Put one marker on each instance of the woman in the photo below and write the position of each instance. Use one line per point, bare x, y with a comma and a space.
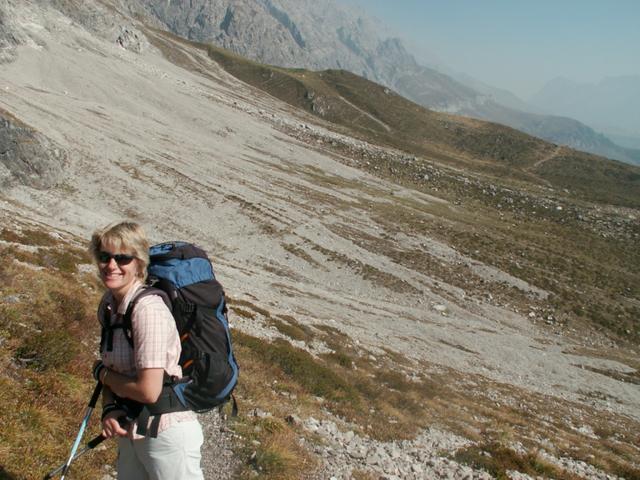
121, 253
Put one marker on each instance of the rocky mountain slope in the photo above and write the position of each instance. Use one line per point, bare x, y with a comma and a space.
328, 35
454, 291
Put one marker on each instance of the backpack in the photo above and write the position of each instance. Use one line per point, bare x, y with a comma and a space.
181, 273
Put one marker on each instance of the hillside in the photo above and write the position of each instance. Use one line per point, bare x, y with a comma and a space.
381, 116
412, 294
325, 34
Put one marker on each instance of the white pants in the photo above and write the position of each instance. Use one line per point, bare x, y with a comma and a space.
173, 455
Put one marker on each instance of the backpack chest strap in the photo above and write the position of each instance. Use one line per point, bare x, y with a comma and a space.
106, 340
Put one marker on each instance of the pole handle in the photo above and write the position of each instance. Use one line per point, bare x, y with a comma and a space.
96, 441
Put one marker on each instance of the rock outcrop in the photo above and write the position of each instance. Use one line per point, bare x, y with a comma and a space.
27, 157
10, 36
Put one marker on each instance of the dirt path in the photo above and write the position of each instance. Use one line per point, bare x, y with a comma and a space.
551, 156
366, 114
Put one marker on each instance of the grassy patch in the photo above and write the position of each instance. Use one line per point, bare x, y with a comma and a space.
369, 395
373, 392
288, 326
28, 236
47, 350
300, 253
272, 450
385, 403
398, 406
235, 303
498, 460
380, 116
316, 378
369, 272
64, 259
539, 212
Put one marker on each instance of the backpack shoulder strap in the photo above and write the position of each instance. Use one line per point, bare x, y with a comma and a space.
144, 292
104, 318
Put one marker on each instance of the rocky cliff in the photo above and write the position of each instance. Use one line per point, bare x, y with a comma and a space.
27, 157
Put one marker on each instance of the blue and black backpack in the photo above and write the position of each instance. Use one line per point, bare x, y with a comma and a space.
181, 273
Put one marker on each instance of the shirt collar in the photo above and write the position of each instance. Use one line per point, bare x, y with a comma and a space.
137, 285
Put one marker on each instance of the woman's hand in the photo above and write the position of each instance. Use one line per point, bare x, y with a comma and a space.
111, 427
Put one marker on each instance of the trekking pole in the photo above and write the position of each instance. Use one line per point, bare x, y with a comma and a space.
83, 426
91, 445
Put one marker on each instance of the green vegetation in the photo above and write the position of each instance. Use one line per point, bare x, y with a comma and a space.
590, 269
271, 449
288, 326
28, 236
311, 375
597, 180
383, 402
502, 211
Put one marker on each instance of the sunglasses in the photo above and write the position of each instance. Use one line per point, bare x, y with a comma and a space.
120, 258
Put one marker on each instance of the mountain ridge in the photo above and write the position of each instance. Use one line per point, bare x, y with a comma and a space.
314, 35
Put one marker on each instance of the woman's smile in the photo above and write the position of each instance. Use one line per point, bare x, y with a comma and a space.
118, 277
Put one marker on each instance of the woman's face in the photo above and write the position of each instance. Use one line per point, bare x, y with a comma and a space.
118, 270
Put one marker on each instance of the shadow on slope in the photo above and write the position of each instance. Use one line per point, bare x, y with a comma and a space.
27, 157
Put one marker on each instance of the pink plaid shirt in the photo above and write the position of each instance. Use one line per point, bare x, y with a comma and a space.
155, 344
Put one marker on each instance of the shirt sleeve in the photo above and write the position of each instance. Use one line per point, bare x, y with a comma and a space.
154, 333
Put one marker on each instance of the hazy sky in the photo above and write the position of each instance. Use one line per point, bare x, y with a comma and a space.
520, 44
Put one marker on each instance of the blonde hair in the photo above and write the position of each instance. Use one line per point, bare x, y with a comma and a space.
128, 237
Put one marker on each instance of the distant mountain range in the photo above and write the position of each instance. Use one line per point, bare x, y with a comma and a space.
322, 34
612, 105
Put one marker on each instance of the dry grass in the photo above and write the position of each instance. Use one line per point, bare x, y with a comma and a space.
48, 333
287, 325
500, 215
272, 450
480, 147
